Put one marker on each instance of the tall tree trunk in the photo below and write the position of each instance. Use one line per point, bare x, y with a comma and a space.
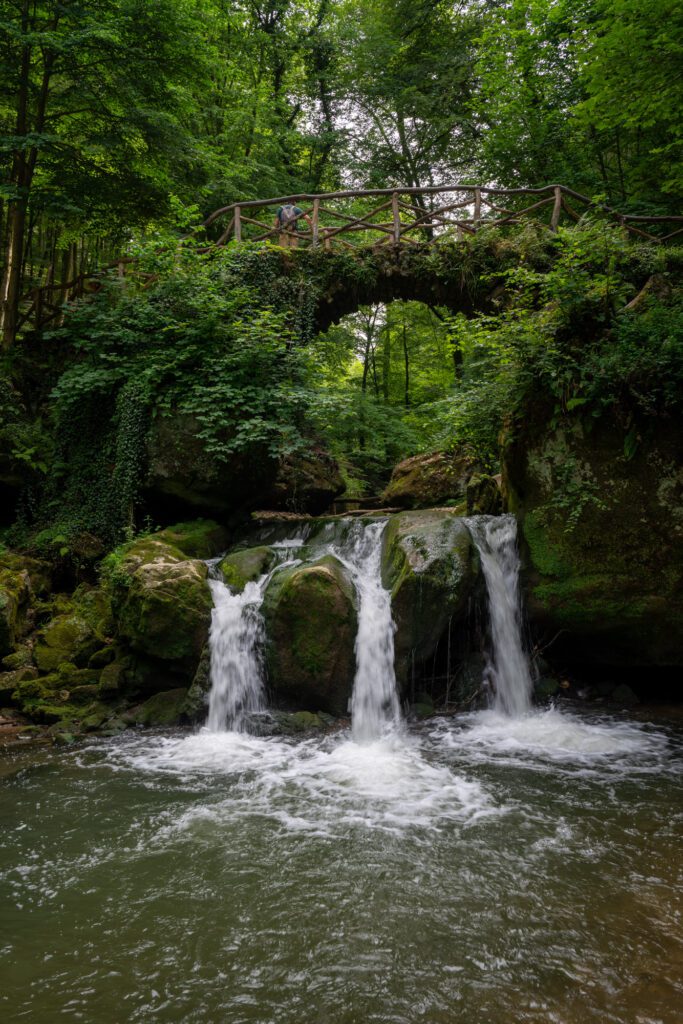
406, 396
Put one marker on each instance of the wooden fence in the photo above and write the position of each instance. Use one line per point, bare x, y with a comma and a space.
361, 218
374, 217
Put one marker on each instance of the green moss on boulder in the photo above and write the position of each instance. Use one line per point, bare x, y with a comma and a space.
601, 531
241, 567
161, 601
431, 567
198, 538
311, 621
163, 709
425, 481
15, 593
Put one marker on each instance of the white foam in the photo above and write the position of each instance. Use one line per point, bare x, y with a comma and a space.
314, 786
553, 735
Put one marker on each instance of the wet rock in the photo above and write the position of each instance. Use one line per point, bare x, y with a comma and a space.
431, 567
310, 615
424, 481
623, 694
196, 705
545, 688
241, 567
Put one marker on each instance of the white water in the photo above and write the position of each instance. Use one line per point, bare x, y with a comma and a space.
510, 675
237, 636
374, 707
235, 642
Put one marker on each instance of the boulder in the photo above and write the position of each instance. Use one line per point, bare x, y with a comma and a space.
241, 567
425, 481
15, 593
161, 601
185, 477
484, 497
163, 709
310, 615
307, 483
199, 538
431, 567
601, 532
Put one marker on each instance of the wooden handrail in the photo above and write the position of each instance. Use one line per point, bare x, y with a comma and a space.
402, 217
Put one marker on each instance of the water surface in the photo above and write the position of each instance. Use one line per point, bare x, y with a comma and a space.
478, 870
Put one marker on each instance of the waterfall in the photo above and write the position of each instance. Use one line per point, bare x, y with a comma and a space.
235, 642
237, 636
375, 708
496, 541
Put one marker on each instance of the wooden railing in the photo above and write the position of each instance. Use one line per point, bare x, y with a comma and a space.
361, 218
372, 217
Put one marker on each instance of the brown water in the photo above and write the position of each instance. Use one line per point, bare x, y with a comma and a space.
479, 871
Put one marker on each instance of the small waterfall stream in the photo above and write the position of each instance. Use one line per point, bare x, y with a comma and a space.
375, 708
496, 541
237, 636
235, 642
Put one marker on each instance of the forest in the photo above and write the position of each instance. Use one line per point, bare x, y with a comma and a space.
341, 510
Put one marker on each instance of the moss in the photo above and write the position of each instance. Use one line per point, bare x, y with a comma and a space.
161, 601
311, 626
199, 538
14, 599
163, 709
241, 567
430, 565
424, 481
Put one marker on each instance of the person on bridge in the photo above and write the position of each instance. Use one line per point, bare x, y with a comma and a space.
287, 221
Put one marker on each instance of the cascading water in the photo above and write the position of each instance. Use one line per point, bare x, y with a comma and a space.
235, 643
237, 636
374, 705
496, 541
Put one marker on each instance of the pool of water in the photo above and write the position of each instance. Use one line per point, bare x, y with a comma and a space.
476, 870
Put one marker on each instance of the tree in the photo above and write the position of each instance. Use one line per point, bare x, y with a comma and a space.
91, 102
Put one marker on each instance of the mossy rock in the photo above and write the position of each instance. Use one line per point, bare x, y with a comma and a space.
293, 723
66, 639
163, 709
10, 682
601, 534
196, 704
161, 602
198, 538
113, 677
425, 481
311, 621
484, 496
246, 565
431, 567
15, 592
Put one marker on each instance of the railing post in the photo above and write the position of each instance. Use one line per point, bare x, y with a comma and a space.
238, 225
396, 217
557, 208
316, 209
477, 208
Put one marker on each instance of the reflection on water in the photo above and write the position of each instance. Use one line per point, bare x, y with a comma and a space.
479, 869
